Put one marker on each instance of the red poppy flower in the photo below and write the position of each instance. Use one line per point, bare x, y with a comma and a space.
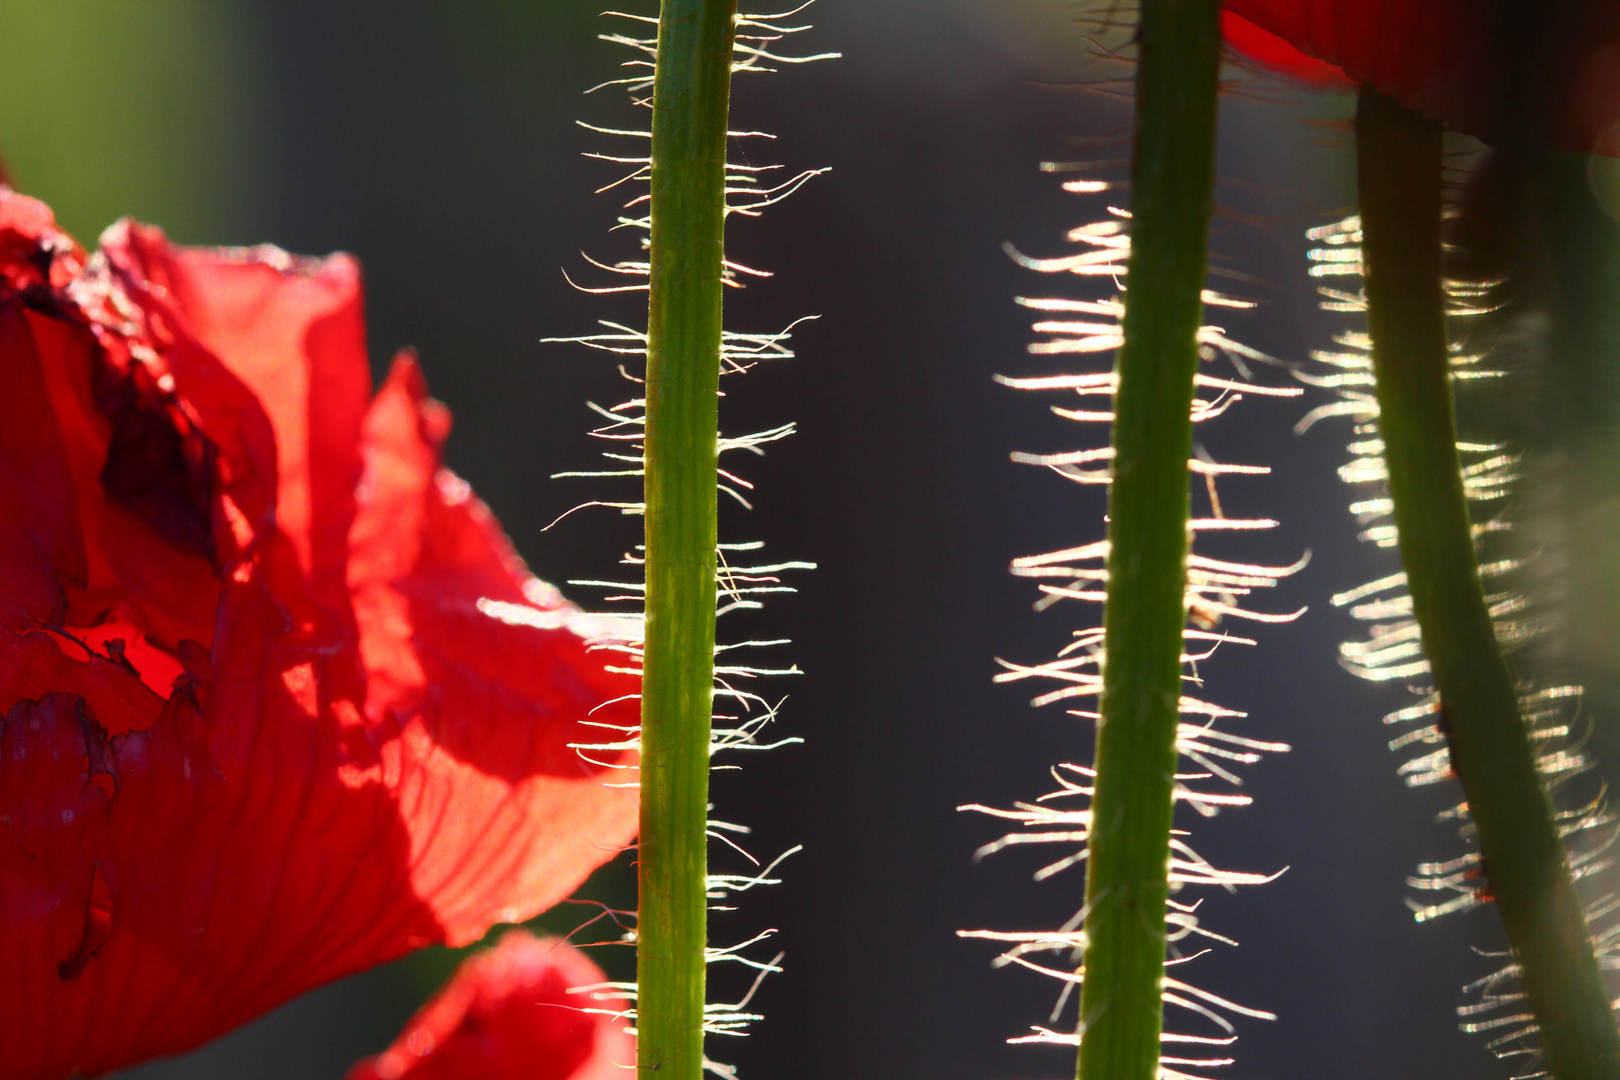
279, 700
1549, 69
529, 1008
1267, 50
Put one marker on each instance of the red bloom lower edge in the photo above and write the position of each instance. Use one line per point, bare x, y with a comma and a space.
280, 702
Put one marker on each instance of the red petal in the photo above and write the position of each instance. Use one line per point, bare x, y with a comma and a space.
34, 254
41, 546
305, 710
1471, 65
292, 331
514, 1011
452, 627
1273, 53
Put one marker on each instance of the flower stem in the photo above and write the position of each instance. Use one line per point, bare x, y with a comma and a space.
691, 95
1582, 246
1127, 877
1399, 157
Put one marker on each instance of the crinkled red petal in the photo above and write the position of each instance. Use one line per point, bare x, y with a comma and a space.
528, 1009
280, 701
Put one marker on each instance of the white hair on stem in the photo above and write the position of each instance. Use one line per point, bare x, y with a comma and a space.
1391, 651
741, 580
1086, 330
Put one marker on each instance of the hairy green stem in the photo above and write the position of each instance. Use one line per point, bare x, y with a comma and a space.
691, 95
1582, 250
1398, 172
1127, 876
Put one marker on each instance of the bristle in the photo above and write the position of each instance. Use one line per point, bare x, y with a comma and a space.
1089, 329
743, 715
1493, 470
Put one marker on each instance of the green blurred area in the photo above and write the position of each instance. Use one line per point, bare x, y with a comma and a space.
162, 109
146, 108
1606, 182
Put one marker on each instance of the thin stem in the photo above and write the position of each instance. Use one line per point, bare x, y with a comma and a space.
1127, 880
691, 94
1398, 154
1582, 249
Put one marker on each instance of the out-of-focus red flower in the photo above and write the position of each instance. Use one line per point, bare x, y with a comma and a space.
1271, 52
1504, 70
528, 1009
279, 700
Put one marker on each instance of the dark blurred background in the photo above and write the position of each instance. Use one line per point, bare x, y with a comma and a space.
438, 143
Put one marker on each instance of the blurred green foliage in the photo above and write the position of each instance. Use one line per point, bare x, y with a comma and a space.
1606, 182
115, 108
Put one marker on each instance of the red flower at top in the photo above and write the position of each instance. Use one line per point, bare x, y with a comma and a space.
1271, 52
1542, 69
528, 1009
279, 700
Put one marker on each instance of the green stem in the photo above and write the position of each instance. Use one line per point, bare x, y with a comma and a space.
691, 94
1398, 171
1127, 877
1582, 246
